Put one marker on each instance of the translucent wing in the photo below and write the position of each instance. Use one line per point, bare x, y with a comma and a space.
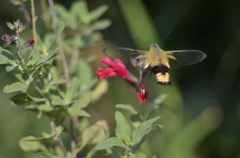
185, 57
125, 54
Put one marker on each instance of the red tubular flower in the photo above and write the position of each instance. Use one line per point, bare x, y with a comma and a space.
142, 95
6, 38
29, 43
116, 68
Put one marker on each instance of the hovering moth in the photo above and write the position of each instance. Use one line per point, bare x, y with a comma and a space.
156, 59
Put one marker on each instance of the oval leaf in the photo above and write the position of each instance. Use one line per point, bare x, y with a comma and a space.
74, 111
114, 141
5, 55
17, 86
123, 130
142, 128
83, 101
28, 144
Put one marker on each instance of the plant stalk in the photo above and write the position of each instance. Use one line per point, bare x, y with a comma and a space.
34, 23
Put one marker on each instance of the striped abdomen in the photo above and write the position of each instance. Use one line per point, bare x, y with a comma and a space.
162, 74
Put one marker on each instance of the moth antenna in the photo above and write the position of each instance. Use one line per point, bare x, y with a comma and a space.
140, 39
166, 35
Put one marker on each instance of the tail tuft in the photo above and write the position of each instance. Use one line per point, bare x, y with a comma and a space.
165, 83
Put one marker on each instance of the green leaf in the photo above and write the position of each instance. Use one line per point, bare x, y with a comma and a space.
32, 59
57, 33
123, 130
45, 59
101, 24
114, 141
72, 90
142, 129
99, 90
138, 155
93, 135
96, 13
74, 111
57, 100
17, 86
127, 107
62, 12
10, 68
156, 102
80, 9
28, 144
83, 101
45, 108
24, 98
12, 62
23, 77
5, 55
84, 72
55, 83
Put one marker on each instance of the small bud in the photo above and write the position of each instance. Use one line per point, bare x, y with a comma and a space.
17, 23
6, 37
14, 38
10, 25
28, 43
21, 27
9, 39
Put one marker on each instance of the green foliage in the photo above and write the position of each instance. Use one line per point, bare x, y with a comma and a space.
127, 138
60, 97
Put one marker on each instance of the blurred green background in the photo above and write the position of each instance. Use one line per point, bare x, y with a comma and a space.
201, 113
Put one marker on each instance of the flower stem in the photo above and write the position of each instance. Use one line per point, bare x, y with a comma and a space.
54, 129
59, 140
74, 119
62, 54
25, 12
19, 47
34, 23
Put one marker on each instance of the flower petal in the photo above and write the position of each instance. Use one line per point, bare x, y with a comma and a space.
142, 95
105, 73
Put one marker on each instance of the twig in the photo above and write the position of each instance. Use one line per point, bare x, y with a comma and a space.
62, 54
19, 47
25, 12
34, 23
74, 119
59, 140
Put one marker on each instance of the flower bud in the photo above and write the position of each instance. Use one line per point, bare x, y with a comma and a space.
28, 43
10, 25
6, 38
9, 39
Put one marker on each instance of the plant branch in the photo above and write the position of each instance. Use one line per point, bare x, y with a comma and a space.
62, 54
74, 119
34, 23
54, 129
59, 140
25, 12
19, 47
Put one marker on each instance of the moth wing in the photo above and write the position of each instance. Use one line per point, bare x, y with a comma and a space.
124, 54
179, 58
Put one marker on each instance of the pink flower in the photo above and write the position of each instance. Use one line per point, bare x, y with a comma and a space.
9, 39
142, 95
29, 43
116, 68
5, 37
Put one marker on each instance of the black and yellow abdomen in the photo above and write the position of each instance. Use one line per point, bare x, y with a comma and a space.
162, 74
